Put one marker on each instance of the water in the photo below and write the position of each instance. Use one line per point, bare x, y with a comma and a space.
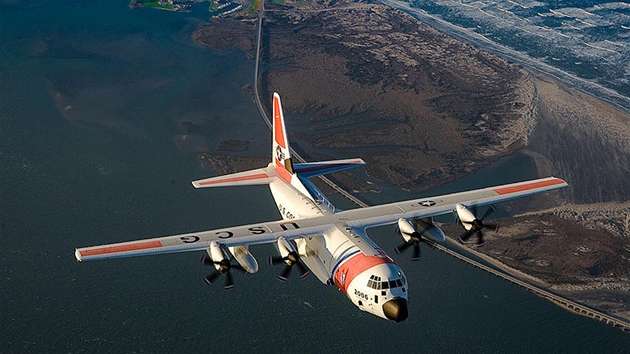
109, 169
585, 44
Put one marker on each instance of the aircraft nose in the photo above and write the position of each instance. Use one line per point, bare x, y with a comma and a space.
396, 309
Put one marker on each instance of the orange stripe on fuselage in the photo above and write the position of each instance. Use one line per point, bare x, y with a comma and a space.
529, 186
356, 265
235, 179
277, 123
121, 248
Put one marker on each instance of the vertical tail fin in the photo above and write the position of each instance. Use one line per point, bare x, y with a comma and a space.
281, 152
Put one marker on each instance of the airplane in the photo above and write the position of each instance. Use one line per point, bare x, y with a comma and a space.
316, 237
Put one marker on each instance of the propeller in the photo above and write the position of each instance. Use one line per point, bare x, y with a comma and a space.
292, 259
414, 241
224, 267
477, 225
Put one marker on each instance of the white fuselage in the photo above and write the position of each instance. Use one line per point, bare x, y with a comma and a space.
375, 284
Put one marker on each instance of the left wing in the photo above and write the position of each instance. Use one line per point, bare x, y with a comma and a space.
235, 236
440, 205
290, 229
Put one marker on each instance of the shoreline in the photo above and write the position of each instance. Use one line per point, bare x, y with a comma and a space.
538, 67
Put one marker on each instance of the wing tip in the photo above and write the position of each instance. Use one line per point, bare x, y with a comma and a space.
77, 254
543, 184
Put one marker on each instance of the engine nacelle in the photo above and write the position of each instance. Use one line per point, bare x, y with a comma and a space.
285, 247
244, 258
420, 227
218, 257
465, 216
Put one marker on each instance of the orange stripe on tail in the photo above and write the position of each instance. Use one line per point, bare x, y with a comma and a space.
278, 123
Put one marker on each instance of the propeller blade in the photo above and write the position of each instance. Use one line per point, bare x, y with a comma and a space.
205, 260
488, 212
275, 260
229, 281
494, 227
402, 247
285, 273
303, 271
480, 240
466, 235
416, 252
208, 279
474, 209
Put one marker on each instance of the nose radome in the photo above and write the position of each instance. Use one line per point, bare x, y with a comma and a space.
396, 309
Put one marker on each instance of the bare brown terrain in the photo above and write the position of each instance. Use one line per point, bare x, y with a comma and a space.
365, 77
361, 79
576, 251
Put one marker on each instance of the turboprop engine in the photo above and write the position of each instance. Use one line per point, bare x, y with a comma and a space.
219, 257
290, 257
472, 224
416, 231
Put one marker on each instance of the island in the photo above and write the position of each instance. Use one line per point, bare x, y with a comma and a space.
359, 78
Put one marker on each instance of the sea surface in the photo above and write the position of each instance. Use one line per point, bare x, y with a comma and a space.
96, 105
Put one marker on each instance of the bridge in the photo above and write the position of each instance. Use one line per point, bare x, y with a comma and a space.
555, 298
294, 154
572, 306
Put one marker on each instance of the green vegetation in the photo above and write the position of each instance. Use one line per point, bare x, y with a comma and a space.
214, 6
253, 9
157, 4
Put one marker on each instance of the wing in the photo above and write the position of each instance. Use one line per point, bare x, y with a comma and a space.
433, 206
236, 236
290, 229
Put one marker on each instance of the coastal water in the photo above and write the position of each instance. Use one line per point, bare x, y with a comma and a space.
584, 44
94, 148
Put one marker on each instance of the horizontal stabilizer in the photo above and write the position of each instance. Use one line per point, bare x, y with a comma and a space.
311, 169
247, 178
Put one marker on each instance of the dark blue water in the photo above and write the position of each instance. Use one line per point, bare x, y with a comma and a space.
92, 96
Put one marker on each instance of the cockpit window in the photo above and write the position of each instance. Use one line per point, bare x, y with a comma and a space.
376, 283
